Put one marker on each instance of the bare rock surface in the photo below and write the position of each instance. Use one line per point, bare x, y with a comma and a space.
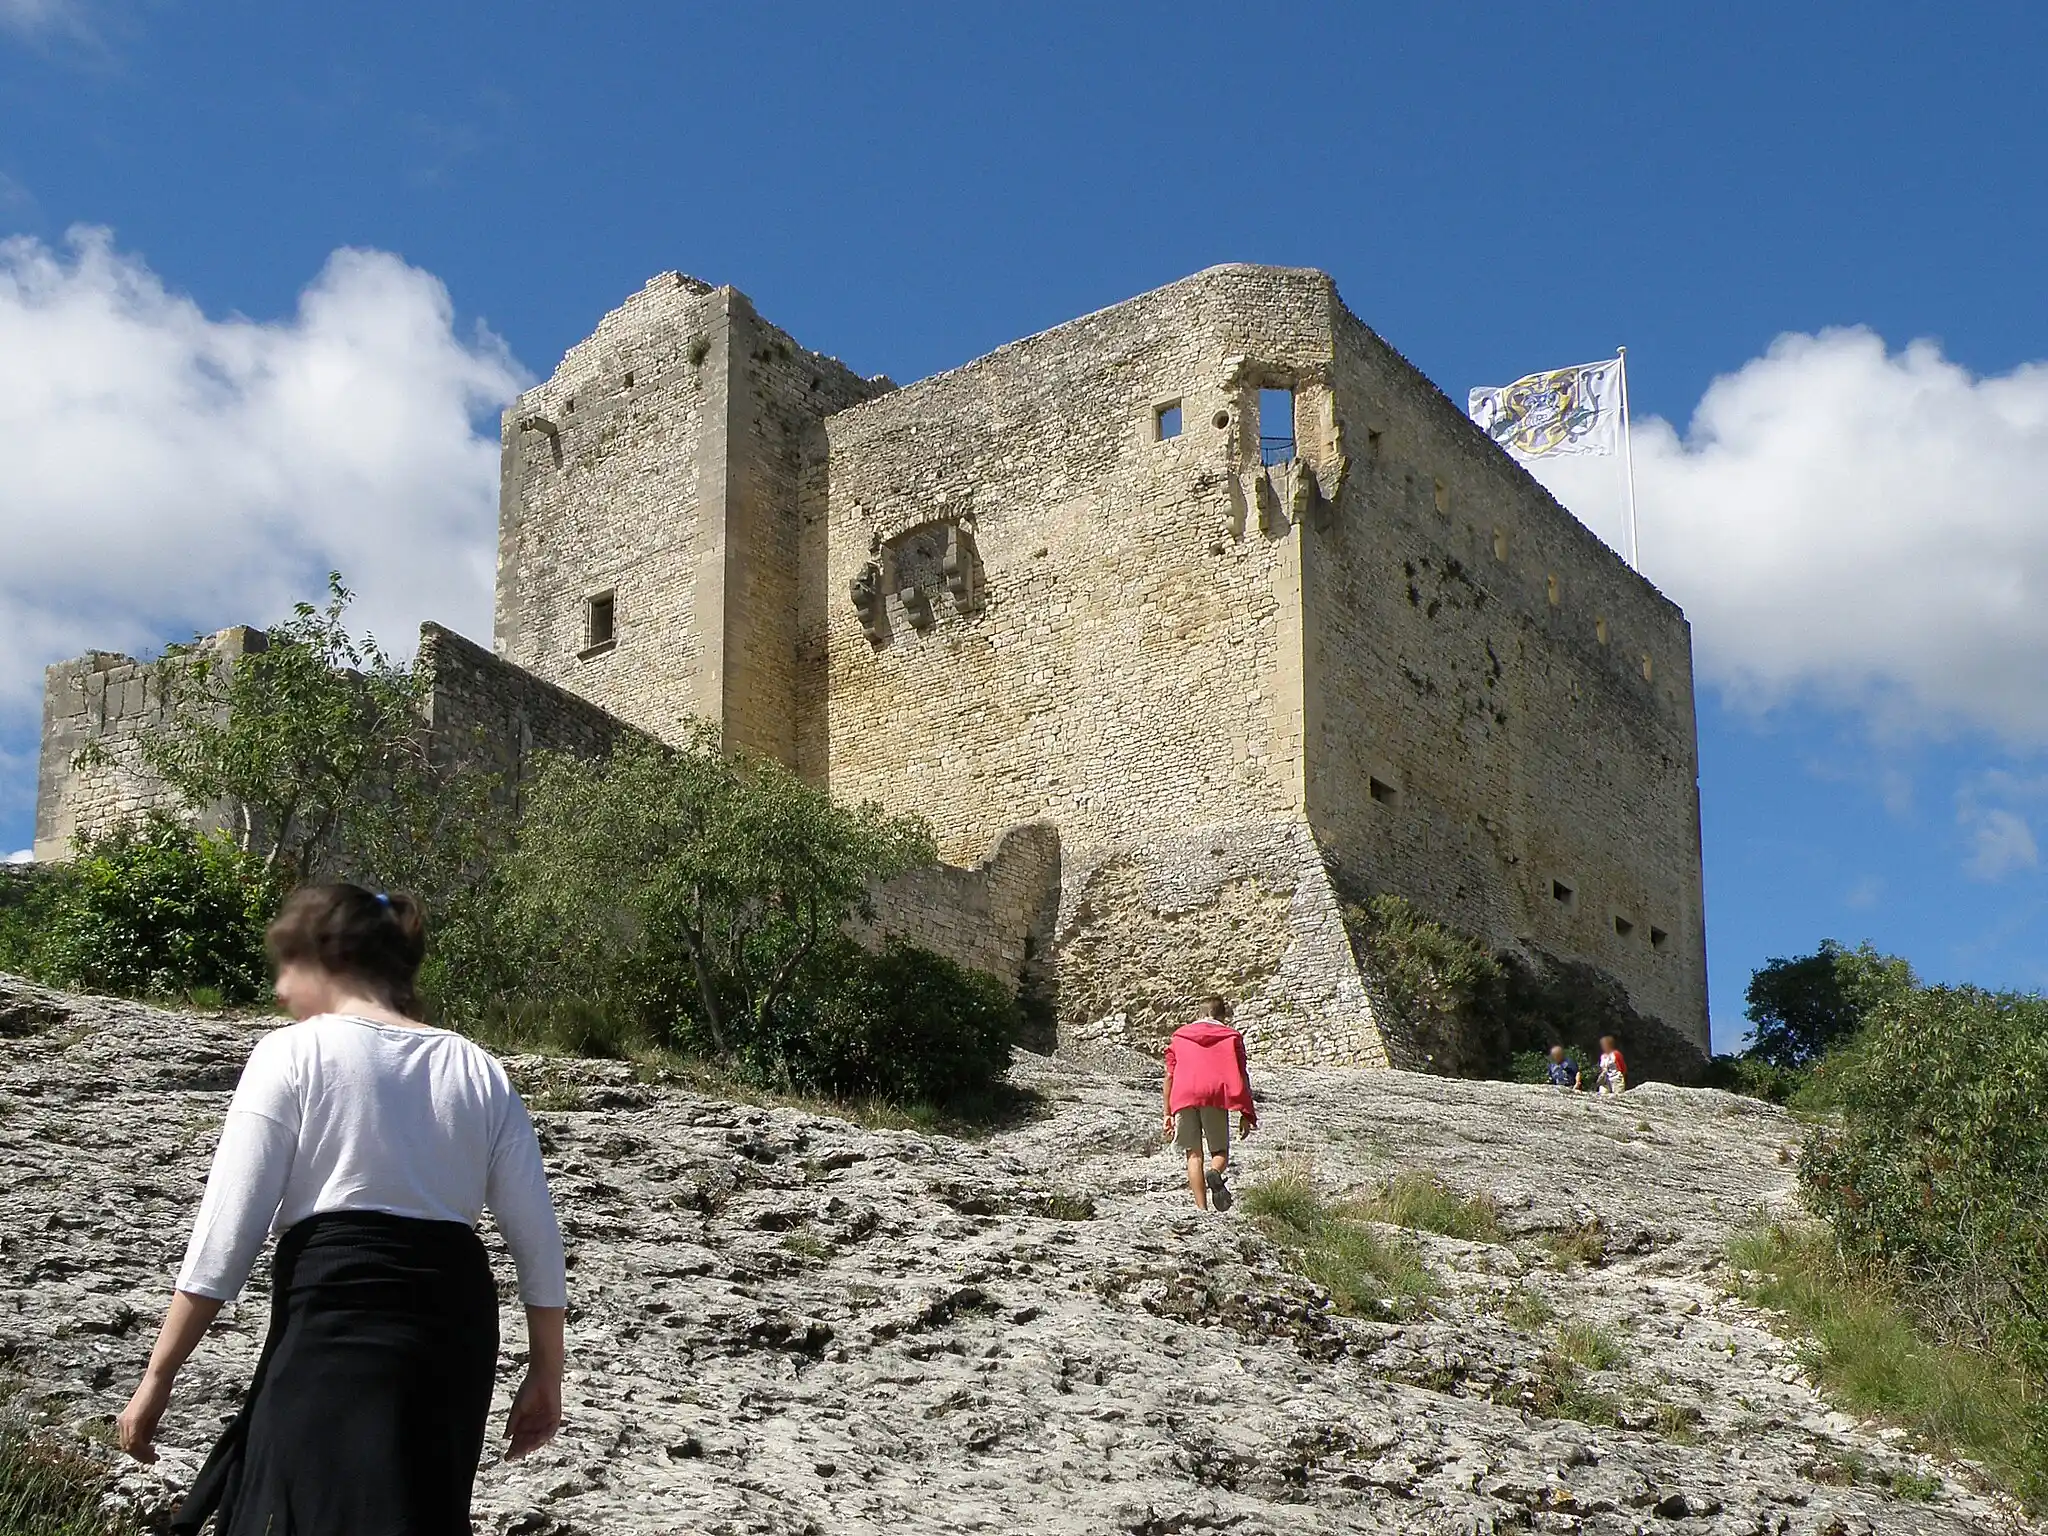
786, 1323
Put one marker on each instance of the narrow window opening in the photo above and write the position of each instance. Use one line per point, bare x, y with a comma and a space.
1276, 426
629, 380
1500, 545
1622, 926
1658, 937
1551, 590
1372, 445
569, 406
1600, 630
600, 621
1382, 791
1646, 667
1443, 499
1165, 422
1560, 893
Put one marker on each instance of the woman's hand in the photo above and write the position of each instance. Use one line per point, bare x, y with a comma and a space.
536, 1413
185, 1324
137, 1425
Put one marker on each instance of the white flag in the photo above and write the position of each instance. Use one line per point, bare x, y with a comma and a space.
1548, 415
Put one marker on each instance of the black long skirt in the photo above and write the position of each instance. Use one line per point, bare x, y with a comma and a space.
367, 1413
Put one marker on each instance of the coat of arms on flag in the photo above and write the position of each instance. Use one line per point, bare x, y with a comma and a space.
1562, 411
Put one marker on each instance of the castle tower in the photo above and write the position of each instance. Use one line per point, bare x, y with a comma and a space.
1211, 593
647, 539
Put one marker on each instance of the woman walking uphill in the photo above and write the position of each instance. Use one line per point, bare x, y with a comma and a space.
372, 1144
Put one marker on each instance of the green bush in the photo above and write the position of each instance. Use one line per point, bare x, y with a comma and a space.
905, 1026
1758, 1079
155, 909
1939, 1172
1439, 989
30, 896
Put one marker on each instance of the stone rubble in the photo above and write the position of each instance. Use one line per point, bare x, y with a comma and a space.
786, 1323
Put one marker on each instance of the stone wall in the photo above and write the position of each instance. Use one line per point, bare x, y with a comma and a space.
1033, 603
1501, 712
491, 715
1124, 660
996, 916
109, 703
1244, 909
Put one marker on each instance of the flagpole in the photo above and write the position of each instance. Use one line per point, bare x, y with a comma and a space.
1628, 458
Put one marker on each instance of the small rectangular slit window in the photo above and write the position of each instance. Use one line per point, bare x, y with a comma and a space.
1382, 791
600, 615
1622, 926
1600, 630
1560, 893
1551, 590
1443, 499
629, 381
1372, 446
1500, 545
1646, 666
1165, 422
1657, 938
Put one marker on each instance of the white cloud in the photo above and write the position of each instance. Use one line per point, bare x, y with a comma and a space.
2001, 843
1991, 810
24, 856
170, 470
32, 18
1856, 526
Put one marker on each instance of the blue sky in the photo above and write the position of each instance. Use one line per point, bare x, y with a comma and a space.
217, 405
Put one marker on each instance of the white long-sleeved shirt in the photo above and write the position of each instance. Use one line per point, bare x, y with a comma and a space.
346, 1114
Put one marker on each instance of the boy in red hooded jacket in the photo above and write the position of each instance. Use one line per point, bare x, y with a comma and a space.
1206, 1078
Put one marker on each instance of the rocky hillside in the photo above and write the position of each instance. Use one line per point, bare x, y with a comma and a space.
785, 1323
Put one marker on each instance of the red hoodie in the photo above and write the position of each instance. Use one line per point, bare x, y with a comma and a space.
1206, 1062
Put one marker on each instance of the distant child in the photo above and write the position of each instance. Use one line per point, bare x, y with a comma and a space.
1613, 1075
1206, 1078
1563, 1071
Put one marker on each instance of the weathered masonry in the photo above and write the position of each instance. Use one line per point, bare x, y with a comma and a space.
1177, 621
1212, 586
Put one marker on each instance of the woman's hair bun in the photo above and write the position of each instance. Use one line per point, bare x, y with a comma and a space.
376, 937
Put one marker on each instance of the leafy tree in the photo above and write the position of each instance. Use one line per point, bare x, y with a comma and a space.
692, 886
315, 753
1804, 1007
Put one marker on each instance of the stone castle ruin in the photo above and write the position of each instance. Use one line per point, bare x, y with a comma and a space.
1176, 621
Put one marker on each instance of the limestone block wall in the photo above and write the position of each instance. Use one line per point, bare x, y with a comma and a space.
655, 472
1500, 711
1245, 909
111, 703
1122, 655
491, 715
996, 916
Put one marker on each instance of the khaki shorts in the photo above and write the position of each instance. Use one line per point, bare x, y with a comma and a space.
1192, 1127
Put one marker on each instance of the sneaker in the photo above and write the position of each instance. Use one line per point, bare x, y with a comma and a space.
1219, 1192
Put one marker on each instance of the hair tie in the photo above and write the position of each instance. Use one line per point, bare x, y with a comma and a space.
382, 899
